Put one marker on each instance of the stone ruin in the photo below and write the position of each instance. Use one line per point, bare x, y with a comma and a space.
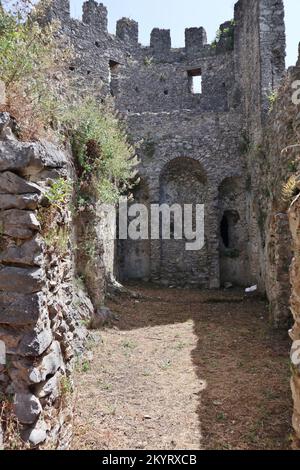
201, 116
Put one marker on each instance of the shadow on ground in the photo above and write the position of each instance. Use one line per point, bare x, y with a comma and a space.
241, 399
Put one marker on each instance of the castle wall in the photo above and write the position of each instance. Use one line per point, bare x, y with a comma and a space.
243, 154
153, 89
43, 310
220, 147
213, 141
259, 68
54, 267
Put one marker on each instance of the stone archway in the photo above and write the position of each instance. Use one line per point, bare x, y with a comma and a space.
233, 233
183, 181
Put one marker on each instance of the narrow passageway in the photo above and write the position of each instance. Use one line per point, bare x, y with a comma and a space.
185, 370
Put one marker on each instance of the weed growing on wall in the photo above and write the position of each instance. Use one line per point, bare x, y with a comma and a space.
60, 192
34, 61
272, 98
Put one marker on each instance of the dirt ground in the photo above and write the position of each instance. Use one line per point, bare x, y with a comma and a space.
185, 370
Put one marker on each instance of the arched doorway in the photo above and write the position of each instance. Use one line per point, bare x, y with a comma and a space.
183, 181
233, 232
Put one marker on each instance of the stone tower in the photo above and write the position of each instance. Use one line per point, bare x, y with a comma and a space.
194, 109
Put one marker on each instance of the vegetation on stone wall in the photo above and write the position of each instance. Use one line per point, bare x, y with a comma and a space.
104, 157
290, 189
41, 97
227, 32
33, 63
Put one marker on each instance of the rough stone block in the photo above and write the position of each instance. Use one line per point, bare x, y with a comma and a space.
17, 309
50, 387
24, 201
16, 223
30, 253
30, 157
36, 342
10, 183
36, 435
15, 155
27, 408
5, 120
22, 280
49, 365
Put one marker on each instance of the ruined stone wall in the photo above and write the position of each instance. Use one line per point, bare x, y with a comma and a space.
213, 142
294, 218
43, 307
260, 66
220, 147
283, 156
153, 89
274, 160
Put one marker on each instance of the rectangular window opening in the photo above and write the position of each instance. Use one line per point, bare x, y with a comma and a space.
195, 81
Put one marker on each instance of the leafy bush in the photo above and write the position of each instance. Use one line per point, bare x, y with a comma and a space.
34, 61
60, 192
104, 157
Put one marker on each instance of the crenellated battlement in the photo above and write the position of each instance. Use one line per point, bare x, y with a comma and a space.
195, 38
160, 40
128, 30
95, 15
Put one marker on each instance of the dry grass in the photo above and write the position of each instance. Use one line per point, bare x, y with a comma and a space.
186, 370
10, 426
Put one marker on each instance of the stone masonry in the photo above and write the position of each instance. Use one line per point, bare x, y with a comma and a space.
216, 144
183, 131
43, 310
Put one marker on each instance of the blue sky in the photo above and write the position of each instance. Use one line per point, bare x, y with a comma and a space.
179, 14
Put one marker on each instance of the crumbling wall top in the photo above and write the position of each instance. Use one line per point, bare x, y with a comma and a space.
128, 31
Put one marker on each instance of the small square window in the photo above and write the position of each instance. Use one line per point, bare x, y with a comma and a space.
195, 81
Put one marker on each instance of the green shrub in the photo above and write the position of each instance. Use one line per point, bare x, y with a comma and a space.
60, 192
33, 64
272, 98
104, 157
58, 238
148, 61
